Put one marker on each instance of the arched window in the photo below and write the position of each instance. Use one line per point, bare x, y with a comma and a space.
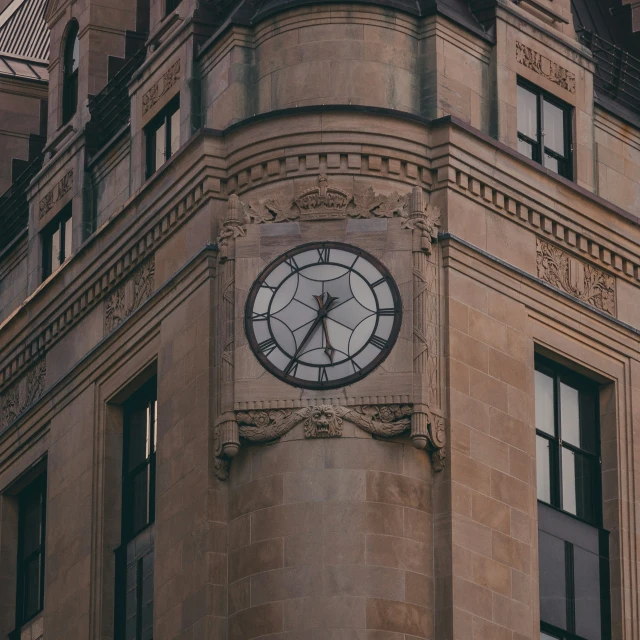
70, 72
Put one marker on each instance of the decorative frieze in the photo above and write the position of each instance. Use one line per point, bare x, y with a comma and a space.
325, 202
545, 67
60, 189
623, 264
577, 278
23, 393
169, 78
105, 281
120, 304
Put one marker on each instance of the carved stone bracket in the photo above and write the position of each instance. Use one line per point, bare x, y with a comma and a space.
326, 421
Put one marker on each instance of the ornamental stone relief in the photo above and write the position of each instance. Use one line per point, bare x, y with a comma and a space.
545, 67
169, 79
579, 279
61, 188
129, 296
326, 202
22, 394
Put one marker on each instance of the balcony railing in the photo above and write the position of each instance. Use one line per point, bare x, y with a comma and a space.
111, 108
14, 205
617, 73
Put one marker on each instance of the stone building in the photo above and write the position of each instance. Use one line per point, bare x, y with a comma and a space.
320, 320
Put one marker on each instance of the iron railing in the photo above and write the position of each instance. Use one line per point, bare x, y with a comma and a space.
111, 109
14, 204
617, 73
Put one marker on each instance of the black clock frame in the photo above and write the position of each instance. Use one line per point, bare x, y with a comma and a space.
354, 377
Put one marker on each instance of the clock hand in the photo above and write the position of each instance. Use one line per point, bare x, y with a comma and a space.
329, 350
323, 307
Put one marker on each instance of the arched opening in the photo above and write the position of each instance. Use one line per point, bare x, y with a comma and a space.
71, 62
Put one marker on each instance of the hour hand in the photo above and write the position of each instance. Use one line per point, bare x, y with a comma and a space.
324, 301
329, 350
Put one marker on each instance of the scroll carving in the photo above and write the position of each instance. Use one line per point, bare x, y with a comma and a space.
129, 296
225, 437
21, 395
577, 278
169, 78
545, 67
61, 188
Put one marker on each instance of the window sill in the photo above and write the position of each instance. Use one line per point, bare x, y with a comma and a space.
31, 629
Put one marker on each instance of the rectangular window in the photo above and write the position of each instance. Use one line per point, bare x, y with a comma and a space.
544, 129
134, 557
572, 546
163, 136
172, 5
56, 242
31, 538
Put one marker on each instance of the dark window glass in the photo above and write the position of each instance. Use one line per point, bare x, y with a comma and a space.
567, 458
544, 126
134, 558
553, 586
573, 549
139, 460
172, 5
163, 136
56, 242
31, 532
71, 64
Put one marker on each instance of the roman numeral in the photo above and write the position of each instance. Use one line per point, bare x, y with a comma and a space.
387, 312
379, 342
324, 254
292, 264
322, 375
267, 346
291, 368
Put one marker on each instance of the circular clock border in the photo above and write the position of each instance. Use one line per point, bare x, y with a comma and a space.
354, 377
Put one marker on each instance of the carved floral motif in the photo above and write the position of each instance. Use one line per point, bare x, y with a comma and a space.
60, 189
575, 277
169, 78
545, 67
129, 296
22, 394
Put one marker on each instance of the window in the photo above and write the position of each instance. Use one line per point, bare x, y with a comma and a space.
172, 5
56, 247
134, 557
31, 537
163, 136
544, 129
71, 62
572, 546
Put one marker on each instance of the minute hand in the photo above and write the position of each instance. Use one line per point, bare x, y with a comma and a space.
314, 326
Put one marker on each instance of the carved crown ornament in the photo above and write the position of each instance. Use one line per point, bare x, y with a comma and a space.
326, 421
325, 202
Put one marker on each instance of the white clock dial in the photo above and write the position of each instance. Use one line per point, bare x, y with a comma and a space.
323, 315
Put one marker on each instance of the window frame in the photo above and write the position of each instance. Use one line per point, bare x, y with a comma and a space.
559, 374
573, 530
163, 118
38, 485
70, 78
146, 395
57, 224
538, 147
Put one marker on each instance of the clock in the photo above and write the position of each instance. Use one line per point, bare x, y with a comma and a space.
323, 315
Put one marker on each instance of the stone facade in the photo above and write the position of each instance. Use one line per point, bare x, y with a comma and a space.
402, 506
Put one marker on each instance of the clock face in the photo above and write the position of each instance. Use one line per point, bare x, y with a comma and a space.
323, 315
